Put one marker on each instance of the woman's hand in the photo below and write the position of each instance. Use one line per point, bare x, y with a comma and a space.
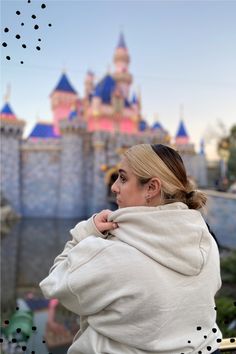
101, 222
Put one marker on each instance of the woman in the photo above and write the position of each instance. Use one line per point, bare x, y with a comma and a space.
142, 278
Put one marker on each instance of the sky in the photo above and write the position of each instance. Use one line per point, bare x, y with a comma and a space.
183, 54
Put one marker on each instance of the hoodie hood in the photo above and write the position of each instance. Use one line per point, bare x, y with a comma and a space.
171, 234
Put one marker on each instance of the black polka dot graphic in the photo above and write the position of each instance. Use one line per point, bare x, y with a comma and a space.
232, 340
14, 340
24, 348
1, 340
18, 36
17, 308
18, 330
18, 12
205, 337
209, 348
189, 341
34, 328
199, 328
39, 39
200, 352
22, 24
38, 48
43, 6
27, 337
4, 44
29, 1
214, 330
23, 45
50, 25
6, 29
36, 27
33, 352
219, 340
8, 58
33, 16
22, 62
6, 322
43, 341
215, 308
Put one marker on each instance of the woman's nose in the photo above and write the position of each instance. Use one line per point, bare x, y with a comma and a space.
114, 188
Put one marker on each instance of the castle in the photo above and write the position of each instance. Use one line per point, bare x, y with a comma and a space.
65, 168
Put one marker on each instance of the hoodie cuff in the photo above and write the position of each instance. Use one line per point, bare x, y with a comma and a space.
86, 228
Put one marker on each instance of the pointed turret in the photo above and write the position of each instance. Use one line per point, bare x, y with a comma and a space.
121, 41
64, 85
63, 97
7, 112
181, 137
121, 62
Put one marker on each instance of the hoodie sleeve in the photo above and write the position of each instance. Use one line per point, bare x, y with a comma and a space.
82, 230
89, 279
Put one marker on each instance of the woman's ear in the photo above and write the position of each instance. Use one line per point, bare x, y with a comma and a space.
154, 187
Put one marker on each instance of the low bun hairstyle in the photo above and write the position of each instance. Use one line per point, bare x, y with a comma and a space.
161, 161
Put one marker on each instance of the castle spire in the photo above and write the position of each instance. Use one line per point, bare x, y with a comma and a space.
121, 41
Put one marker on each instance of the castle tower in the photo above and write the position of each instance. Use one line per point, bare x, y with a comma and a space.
11, 135
121, 62
72, 182
63, 98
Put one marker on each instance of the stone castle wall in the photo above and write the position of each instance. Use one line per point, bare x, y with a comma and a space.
40, 178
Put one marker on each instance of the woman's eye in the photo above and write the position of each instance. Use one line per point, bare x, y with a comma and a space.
122, 178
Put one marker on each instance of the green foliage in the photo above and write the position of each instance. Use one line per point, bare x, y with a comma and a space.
226, 314
232, 164
228, 268
226, 299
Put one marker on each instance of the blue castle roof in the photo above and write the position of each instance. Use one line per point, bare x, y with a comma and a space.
121, 41
157, 126
73, 114
143, 125
134, 99
6, 109
181, 132
105, 88
64, 85
43, 130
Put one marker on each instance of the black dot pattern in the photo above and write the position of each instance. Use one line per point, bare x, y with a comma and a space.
6, 29
17, 36
22, 24
199, 328
22, 62
18, 330
33, 16
23, 45
43, 6
18, 13
214, 330
4, 44
209, 348
36, 27
38, 48
232, 340
34, 328
219, 340
8, 57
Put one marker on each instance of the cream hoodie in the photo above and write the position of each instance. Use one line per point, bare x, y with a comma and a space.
148, 287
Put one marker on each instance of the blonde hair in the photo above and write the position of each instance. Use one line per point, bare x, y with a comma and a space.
161, 161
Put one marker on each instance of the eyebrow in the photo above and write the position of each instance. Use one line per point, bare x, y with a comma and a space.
122, 171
